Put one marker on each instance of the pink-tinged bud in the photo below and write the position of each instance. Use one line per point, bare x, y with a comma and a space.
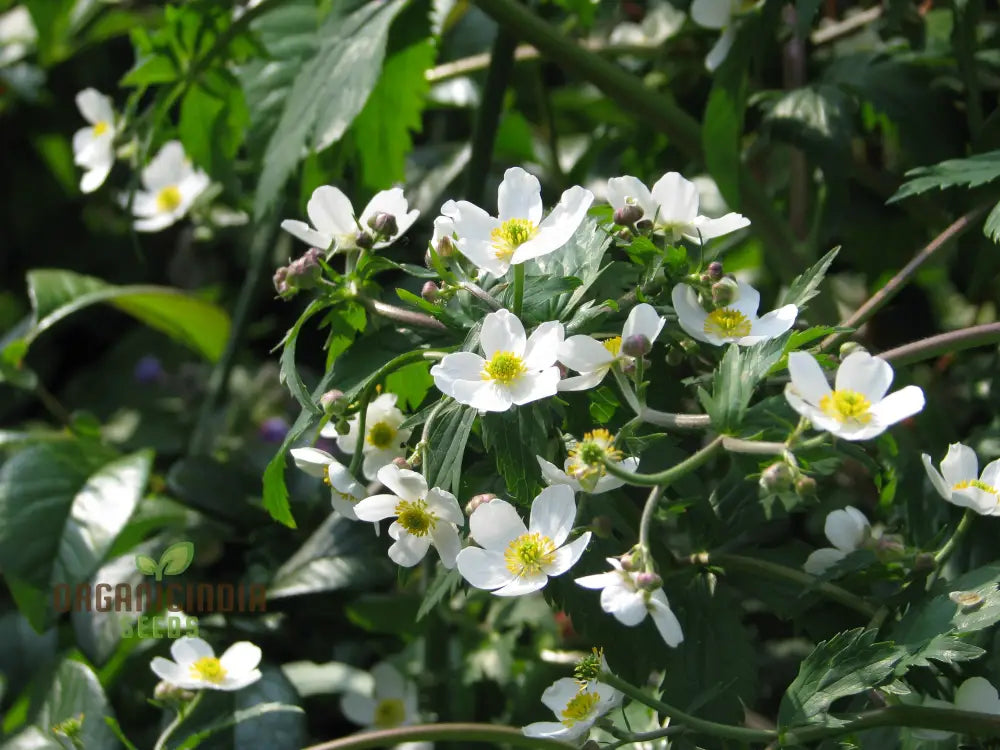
563, 370
330, 400
644, 225
629, 562
805, 486
715, 271
169, 693
364, 240
281, 285
648, 581
777, 477
305, 272
624, 236
384, 224
476, 501
445, 246
724, 291
628, 214
401, 463
430, 291
636, 346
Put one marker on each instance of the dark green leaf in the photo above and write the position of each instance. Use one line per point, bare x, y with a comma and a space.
289, 372
806, 286
411, 384
444, 584
213, 121
722, 123
515, 437
244, 714
939, 615
991, 228
446, 446
972, 172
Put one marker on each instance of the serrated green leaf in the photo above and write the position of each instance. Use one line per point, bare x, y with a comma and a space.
176, 558
946, 649
515, 437
806, 286
444, 584
213, 121
991, 228
971, 172
817, 118
735, 379
939, 615
448, 436
289, 373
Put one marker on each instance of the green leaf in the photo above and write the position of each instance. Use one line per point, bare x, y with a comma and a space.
806, 286
289, 374
735, 379
446, 446
847, 664
444, 584
580, 258
991, 228
382, 129
938, 615
411, 384
328, 93
722, 123
236, 718
213, 120
971, 172
946, 649
176, 558
115, 727
56, 294
515, 437
817, 118
146, 565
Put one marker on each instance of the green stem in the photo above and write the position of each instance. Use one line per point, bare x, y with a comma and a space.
675, 421
518, 288
182, 713
900, 715
645, 522
944, 343
757, 447
402, 315
484, 135
453, 732
668, 476
942, 555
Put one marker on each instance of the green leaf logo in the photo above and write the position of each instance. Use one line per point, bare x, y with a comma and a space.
175, 560
146, 565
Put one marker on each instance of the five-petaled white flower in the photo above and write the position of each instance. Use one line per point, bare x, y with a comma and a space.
195, 666
976, 694
718, 14
959, 481
384, 440
423, 517
171, 185
513, 559
736, 323
345, 490
516, 369
624, 597
392, 702
847, 530
335, 226
584, 465
672, 207
93, 146
576, 707
519, 233
594, 359
857, 408
17, 34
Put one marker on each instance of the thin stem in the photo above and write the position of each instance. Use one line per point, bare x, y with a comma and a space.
942, 555
453, 732
774, 570
675, 421
182, 713
518, 288
668, 476
900, 715
943, 343
52, 404
647, 520
479, 293
757, 447
402, 315
485, 132
654, 734
626, 389
895, 285
704, 726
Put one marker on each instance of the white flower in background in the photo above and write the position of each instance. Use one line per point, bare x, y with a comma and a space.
975, 694
335, 226
195, 666
736, 323
513, 559
627, 596
718, 14
423, 517
93, 147
847, 530
519, 233
515, 371
384, 440
584, 465
345, 490
857, 408
593, 359
575, 707
660, 22
171, 185
959, 481
17, 35
391, 703
672, 207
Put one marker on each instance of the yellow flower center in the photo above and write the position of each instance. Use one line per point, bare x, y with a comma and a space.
505, 368
613, 345
168, 199
381, 434
101, 127
970, 483
727, 323
389, 713
580, 707
209, 669
511, 235
594, 448
844, 405
526, 555
415, 518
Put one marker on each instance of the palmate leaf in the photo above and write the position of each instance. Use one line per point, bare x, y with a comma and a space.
971, 172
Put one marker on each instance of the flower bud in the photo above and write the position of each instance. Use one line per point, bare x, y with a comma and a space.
281, 285
849, 347
648, 581
675, 356
384, 224
630, 562
628, 214
342, 426
624, 235
924, 561
602, 526
330, 400
689, 345
401, 463
644, 225
430, 291
777, 477
636, 346
305, 272
724, 291
805, 487
170, 693
445, 246
476, 501
364, 240
714, 270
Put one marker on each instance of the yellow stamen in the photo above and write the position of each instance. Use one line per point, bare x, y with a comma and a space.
210, 669
511, 235
613, 345
844, 405
415, 518
580, 707
505, 368
389, 713
529, 553
380, 435
970, 483
727, 323
101, 127
168, 199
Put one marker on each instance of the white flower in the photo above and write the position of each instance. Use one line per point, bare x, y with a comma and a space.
857, 409
391, 703
93, 147
623, 597
661, 21
584, 466
195, 666
717, 14
847, 530
384, 440
735, 323
672, 206
345, 490
334, 224
519, 233
423, 517
17, 34
576, 707
593, 359
959, 481
515, 371
975, 694
513, 559
171, 186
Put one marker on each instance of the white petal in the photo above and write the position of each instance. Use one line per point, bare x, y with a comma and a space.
533, 386
407, 484
609, 482
558, 227
408, 550
938, 481
95, 106
168, 167
553, 730
447, 543
553, 513
485, 395
559, 693
622, 189
154, 223
302, 231
474, 227
643, 320
821, 560
977, 694
868, 375
495, 524
690, 314
239, 682
376, 507
389, 683
717, 55
991, 474
704, 228
984, 503
519, 196
846, 529
347, 443
665, 620
392, 202
192, 186
502, 332
601, 580
627, 606
960, 464
331, 211
677, 199
188, 650
483, 569
771, 325
342, 481
543, 345
168, 670
807, 377
552, 474
584, 354
568, 556
457, 366
93, 178
898, 406
346, 508
444, 505
712, 14
523, 585
583, 382
359, 709
747, 300
240, 658
312, 461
